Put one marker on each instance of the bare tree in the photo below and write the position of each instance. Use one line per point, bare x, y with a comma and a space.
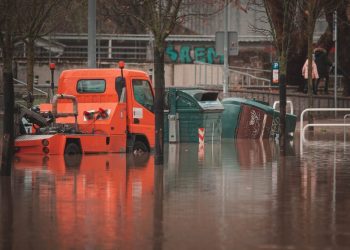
288, 18
282, 16
326, 41
37, 18
26, 21
8, 15
158, 17
313, 10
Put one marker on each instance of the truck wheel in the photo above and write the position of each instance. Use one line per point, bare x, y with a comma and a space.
139, 148
72, 149
72, 161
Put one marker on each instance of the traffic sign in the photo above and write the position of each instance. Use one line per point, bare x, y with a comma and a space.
232, 44
275, 72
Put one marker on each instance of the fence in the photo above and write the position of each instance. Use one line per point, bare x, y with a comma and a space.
303, 128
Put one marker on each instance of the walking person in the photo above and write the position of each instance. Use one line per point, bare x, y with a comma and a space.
314, 75
323, 65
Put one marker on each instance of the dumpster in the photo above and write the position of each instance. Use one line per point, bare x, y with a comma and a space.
251, 119
189, 110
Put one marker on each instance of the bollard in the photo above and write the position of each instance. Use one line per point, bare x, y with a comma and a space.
201, 133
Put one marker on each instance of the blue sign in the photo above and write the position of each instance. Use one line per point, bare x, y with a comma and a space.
275, 72
275, 65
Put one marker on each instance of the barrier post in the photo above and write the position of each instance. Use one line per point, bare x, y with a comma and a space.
201, 133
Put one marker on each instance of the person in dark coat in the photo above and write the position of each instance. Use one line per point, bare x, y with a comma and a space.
323, 64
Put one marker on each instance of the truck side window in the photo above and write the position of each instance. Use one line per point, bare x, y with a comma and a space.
91, 86
143, 93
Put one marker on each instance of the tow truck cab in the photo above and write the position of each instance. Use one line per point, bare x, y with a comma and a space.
112, 111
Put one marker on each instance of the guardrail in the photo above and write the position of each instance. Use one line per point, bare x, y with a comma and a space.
212, 74
249, 80
303, 128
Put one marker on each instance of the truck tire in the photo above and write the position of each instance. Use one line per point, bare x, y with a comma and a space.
72, 149
72, 161
139, 148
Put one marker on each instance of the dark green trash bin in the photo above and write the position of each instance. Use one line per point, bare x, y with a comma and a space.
189, 110
251, 119
291, 121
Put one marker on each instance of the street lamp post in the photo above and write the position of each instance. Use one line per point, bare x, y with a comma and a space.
92, 34
225, 86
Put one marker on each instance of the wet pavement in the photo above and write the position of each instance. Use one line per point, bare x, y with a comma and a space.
234, 195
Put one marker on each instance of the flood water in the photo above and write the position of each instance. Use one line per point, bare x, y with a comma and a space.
233, 195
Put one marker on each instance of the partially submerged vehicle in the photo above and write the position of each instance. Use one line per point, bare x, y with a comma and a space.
94, 111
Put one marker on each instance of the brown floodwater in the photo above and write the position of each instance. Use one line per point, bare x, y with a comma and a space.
234, 195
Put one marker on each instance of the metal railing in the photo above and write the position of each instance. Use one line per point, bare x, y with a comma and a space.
212, 74
249, 80
288, 102
303, 128
345, 116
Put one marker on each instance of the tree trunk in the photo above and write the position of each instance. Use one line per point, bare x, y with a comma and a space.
159, 104
30, 72
283, 103
296, 48
6, 213
283, 97
344, 46
8, 130
7, 44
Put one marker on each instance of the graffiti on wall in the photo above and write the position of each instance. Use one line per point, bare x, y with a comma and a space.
189, 54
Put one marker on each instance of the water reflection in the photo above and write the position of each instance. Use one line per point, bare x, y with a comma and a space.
97, 201
6, 213
233, 195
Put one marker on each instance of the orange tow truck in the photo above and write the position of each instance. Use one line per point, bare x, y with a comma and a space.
94, 111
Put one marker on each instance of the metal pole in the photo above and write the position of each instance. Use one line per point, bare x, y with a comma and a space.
195, 74
335, 39
92, 34
225, 87
52, 83
50, 48
109, 48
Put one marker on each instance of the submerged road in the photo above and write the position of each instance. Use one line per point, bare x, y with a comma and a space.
234, 195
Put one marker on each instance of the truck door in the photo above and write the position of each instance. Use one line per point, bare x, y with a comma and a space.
142, 121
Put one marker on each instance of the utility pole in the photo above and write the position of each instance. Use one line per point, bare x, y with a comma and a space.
225, 87
92, 34
335, 39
